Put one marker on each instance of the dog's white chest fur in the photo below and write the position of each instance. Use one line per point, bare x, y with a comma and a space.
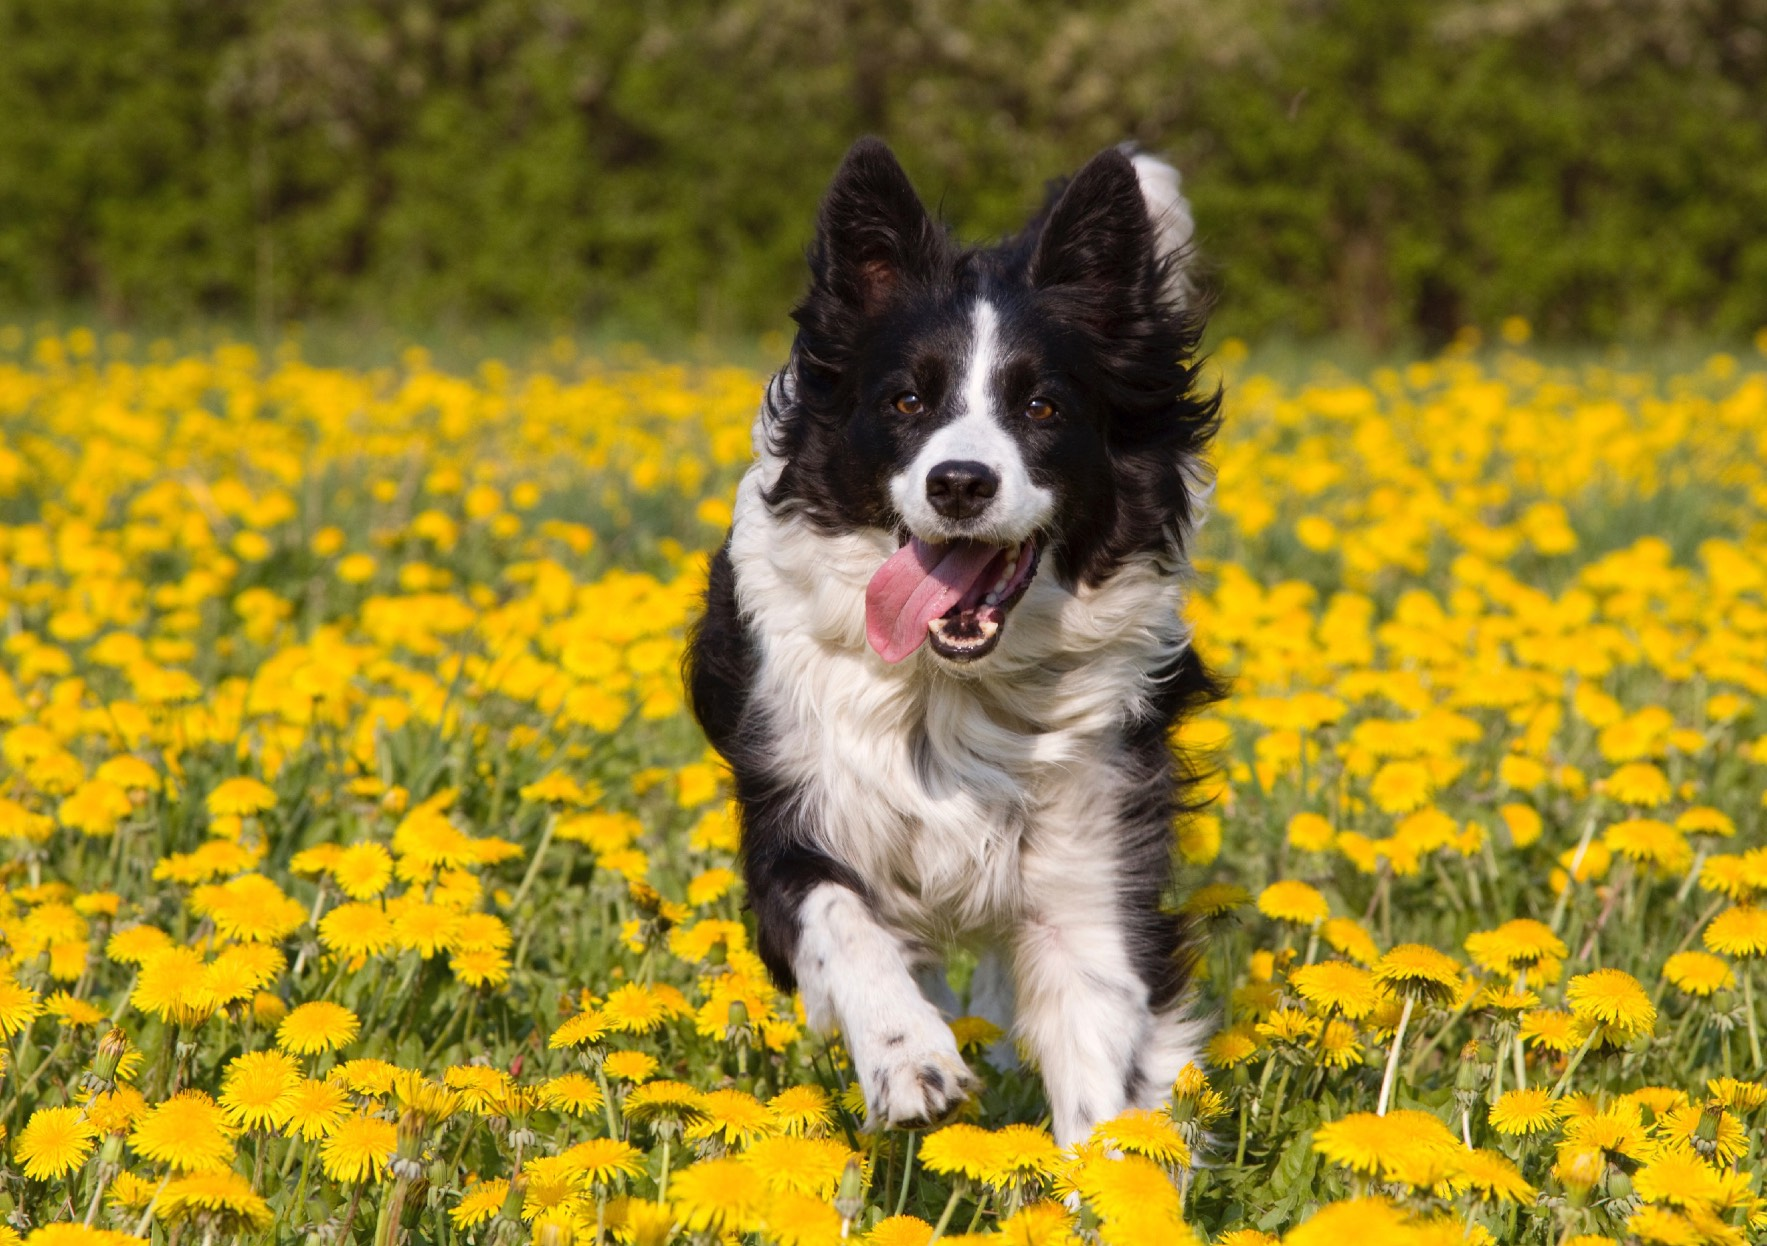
927, 782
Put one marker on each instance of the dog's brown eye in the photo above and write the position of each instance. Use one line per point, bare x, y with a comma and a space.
909, 404
1039, 408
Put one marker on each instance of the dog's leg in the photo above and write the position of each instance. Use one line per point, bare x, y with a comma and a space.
857, 975
1086, 1005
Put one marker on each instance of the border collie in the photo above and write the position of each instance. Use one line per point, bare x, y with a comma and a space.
942, 650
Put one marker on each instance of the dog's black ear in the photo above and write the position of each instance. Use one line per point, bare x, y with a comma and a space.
1097, 239
873, 234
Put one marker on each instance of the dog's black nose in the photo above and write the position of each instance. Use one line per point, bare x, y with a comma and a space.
960, 489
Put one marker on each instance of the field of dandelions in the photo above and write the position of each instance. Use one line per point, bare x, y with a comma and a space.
366, 881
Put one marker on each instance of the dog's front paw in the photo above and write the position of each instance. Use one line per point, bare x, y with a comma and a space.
910, 1084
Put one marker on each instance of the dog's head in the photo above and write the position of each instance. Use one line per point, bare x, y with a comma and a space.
1007, 412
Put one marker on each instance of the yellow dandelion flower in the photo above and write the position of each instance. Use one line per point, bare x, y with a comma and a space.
1233, 1046
53, 1143
630, 1066
1215, 900
240, 798
427, 929
1739, 931
1639, 783
899, 1231
974, 1033
362, 871
356, 930
189, 1132
317, 1026
132, 945
634, 1009
315, 1108
221, 1198
1705, 820
1516, 945
1659, 1226
960, 1150
585, 1029
1738, 1096
664, 1101
1359, 1219
1293, 901
1613, 1000
19, 1006
257, 1089
358, 1148
480, 1201
603, 1162
801, 1111
1550, 1029
1655, 846
1492, 1177
1143, 1131
805, 1165
733, 1117
1384, 1145
575, 1093
1420, 972
717, 1196
485, 967
1698, 973
1524, 1112
1336, 986
367, 1076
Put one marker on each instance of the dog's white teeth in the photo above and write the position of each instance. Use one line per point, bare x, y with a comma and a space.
1011, 569
993, 599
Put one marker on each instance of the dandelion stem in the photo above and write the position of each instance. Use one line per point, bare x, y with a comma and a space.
343, 1234
1386, 1085
907, 1172
957, 1192
1576, 1059
976, 1218
1748, 1006
521, 892
1564, 896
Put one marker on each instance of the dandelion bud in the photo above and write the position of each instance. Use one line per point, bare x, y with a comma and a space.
110, 1155
849, 1200
1468, 1076
1619, 1185
110, 1054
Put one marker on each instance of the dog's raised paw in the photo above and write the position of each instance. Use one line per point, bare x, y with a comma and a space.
912, 1088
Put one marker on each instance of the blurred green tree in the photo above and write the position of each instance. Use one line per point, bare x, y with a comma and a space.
1390, 169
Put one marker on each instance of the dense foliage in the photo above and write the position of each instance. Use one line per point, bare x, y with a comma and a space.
1386, 168
364, 880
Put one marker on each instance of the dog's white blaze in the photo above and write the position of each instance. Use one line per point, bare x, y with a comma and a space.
977, 435
967, 798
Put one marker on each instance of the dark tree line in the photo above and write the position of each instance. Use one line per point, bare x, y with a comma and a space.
1391, 169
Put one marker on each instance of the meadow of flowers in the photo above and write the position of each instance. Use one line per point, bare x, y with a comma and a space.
365, 879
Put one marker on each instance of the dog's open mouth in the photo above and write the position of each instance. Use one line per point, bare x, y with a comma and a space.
956, 595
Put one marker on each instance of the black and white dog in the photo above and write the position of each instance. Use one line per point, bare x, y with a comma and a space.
942, 648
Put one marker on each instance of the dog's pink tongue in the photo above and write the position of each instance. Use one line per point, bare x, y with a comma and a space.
918, 584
